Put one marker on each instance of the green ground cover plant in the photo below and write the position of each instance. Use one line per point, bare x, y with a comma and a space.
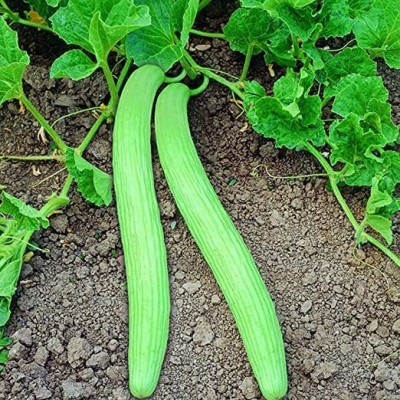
329, 100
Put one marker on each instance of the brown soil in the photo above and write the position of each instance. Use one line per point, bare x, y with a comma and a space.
340, 317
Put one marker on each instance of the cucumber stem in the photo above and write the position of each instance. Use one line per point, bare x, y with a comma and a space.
72, 114
111, 84
213, 35
16, 18
33, 158
188, 68
333, 181
42, 121
212, 75
92, 132
123, 73
174, 79
201, 88
203, 4
247, 61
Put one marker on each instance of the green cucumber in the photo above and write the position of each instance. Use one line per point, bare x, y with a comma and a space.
141, 231
220, 243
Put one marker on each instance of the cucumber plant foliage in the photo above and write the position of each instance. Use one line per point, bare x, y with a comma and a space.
329, 102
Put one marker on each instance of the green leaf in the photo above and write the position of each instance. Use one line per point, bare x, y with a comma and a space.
378, 31
3, 358
158, 44
13, 62
74, 64
268, 117
301, 22
98, 25
249, 27
26, 216
381, 206
379, 118
350, 143
355, 92
377, 199
184, 14
94, 184
350, 61
359, 7
381, 225
4, 341
9, 276
310, 109
335, 18
279, 45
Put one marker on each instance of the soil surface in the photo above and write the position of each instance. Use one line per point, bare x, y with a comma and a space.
340, 316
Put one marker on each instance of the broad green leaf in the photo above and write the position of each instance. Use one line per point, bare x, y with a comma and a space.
377, 199
13, 62
293, 85
301, 22
382, 225
379, 118
184, 15
280, 45
350, 143
254, 27
386, 166
335, 18
4, 341
359, 7
378, 31
270, 119
74, 64
3, 358
98, 25
94, 184
355, 92
9, 276
310, 109
349, 61
381, 206
158, 43
249, 27
390, 169
319, 58
26, 216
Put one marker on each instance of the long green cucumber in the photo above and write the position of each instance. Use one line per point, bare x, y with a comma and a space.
141, 231
220, 243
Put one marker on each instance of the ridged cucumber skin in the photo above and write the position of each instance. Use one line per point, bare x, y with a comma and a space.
220, 243
141, 231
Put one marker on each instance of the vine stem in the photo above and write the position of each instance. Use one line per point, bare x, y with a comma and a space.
296, 47
123, 73
247, 61
204, 4
212, 75
42, 121
213, 35
16, 18
67, 186
111, 83
333, 181
33, 158
103, 117
92, 132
